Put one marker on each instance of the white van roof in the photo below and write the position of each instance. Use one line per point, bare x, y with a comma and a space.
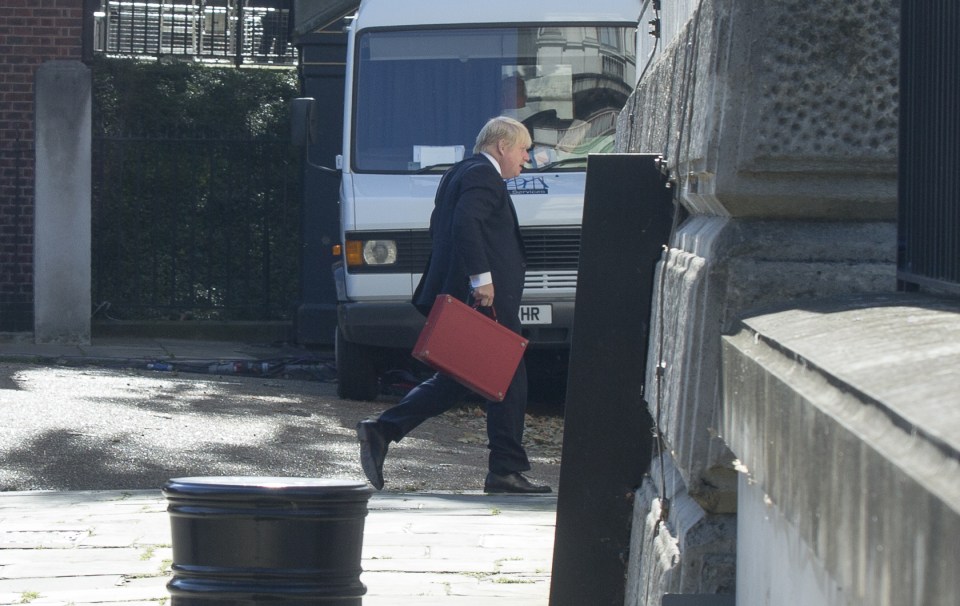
394, 13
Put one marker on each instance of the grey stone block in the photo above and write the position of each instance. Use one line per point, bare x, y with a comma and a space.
775, 109
62, 229
676, 546
851, 451
717, 270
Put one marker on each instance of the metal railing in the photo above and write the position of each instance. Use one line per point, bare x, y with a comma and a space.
224, 31
16, 242
203, 228
929, 179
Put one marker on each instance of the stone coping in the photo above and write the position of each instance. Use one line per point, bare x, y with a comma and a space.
897, 352
844, 415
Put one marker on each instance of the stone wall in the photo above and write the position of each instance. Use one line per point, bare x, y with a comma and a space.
844, 416
778, 122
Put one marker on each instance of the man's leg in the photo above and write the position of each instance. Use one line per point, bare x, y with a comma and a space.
508, 458
505, 424
434, 396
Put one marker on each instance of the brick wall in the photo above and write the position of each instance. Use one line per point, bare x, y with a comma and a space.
31, 33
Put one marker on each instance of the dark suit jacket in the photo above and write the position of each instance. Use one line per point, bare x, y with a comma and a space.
474, 229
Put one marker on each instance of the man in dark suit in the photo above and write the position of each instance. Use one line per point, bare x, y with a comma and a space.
477, 255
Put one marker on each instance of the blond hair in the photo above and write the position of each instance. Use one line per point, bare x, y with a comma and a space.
499, 129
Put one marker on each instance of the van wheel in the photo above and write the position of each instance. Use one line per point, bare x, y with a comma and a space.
356, 370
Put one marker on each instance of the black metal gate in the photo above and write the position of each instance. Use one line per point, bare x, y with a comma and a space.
200, 228
929, 229
242, 32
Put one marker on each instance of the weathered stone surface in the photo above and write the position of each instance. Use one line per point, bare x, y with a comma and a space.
677, 547
843, 415
775, 109
62, 232
716, 270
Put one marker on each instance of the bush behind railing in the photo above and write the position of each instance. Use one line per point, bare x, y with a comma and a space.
196, 210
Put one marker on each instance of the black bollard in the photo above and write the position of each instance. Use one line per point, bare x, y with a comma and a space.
247, 541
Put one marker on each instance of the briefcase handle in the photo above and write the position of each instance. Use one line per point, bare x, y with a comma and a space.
493, 312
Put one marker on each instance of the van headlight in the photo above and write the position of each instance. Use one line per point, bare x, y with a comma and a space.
380, 252
371, 252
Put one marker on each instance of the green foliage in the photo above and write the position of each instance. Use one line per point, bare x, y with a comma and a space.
146, 98
196, 191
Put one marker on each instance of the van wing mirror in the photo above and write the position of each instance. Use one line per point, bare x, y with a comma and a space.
303, 121
305, 130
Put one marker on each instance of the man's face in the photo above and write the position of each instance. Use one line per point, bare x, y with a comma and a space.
514, 156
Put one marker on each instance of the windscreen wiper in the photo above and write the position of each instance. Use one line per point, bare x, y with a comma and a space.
434, 167
555, 164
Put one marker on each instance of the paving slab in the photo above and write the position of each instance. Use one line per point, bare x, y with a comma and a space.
113, 547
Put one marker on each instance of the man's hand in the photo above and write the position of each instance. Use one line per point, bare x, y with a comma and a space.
483, 295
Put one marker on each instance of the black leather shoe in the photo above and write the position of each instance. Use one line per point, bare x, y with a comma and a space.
373, 451
512, 482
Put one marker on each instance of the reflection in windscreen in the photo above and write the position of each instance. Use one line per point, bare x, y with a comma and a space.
422, 96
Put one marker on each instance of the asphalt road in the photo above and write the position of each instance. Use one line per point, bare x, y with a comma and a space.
91, 428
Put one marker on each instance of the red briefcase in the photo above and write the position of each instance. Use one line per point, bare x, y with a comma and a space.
475, 350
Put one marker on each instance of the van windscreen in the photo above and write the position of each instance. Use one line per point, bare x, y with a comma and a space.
421, 96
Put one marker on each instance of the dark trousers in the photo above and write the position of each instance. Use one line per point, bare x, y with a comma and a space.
440, 393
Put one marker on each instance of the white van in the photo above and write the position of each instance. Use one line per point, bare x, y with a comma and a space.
423, 77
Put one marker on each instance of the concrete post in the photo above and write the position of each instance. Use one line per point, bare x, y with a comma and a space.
62, 255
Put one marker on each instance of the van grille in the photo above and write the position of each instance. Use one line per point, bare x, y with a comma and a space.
552, 248
553, 254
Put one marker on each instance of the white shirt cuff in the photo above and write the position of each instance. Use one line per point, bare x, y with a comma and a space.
481, 279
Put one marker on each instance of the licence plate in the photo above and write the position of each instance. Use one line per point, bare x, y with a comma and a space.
536, 314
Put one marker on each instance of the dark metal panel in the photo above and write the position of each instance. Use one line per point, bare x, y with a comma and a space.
699, 600
607, 440
87, 35
323, 73
929, 179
